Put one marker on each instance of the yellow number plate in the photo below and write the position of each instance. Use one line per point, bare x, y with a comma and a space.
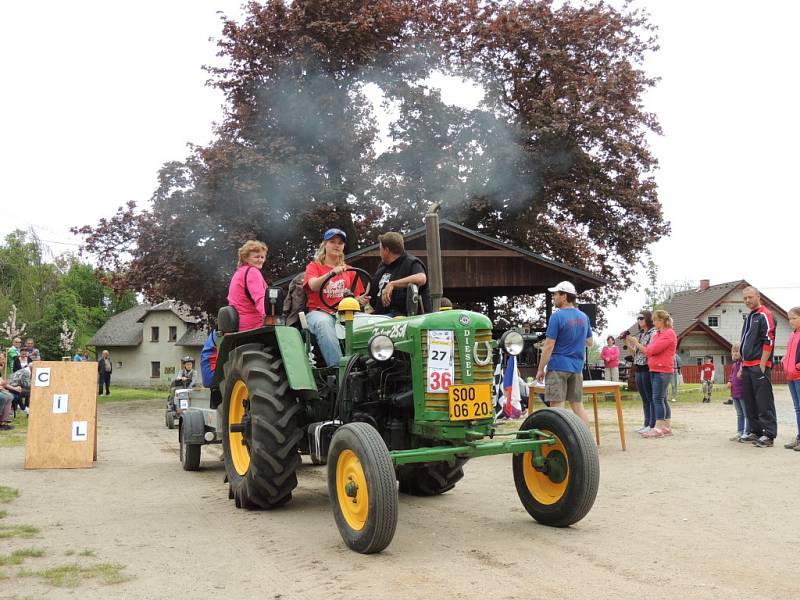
469, 402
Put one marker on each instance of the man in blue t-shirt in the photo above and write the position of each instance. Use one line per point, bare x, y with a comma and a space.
563, 353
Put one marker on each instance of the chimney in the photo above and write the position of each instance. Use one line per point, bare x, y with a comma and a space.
704, 284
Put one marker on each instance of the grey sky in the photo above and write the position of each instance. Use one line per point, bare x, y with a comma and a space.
99, 94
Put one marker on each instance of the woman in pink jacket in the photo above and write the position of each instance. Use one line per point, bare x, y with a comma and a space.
248, 287
791, 366
610, 356
660, 354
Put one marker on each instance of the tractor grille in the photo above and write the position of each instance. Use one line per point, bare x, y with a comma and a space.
481, 374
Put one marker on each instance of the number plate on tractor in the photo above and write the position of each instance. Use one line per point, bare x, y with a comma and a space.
469, 402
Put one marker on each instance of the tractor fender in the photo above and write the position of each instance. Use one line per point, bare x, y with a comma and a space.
295, 359
193, 427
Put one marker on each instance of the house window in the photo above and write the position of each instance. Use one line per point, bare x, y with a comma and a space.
119, 364
173, 333
155, 370
713, 320
154, 334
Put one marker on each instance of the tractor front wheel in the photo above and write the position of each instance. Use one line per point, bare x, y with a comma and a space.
362, 488
562, 490
260, 429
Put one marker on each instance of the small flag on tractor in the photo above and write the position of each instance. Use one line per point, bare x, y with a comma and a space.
513, 405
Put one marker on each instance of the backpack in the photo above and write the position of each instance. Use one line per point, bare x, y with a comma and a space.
208, 359
295, 301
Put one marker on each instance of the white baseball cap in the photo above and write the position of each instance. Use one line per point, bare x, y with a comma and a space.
564, 286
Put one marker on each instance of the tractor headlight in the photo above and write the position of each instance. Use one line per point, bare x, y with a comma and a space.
512, 342
381, 347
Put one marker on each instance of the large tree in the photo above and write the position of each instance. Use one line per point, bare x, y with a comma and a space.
554, 158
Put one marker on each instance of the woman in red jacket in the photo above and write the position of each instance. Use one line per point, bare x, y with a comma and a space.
660, 354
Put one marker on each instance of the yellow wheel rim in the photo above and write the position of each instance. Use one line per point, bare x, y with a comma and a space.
541, 487
351, 490
239, 452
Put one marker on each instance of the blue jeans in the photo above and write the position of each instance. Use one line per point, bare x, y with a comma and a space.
794, 390
660, 404
323, 326
645, 388
741, 420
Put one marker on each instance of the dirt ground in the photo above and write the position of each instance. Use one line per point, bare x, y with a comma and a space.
692, 516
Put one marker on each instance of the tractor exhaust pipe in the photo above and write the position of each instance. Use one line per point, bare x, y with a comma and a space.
434, 249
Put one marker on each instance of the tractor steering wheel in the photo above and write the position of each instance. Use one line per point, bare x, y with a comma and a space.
361, 275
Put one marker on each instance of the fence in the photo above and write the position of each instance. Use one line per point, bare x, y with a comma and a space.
691, 373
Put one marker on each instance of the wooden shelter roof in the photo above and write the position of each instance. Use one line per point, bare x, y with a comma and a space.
476, 267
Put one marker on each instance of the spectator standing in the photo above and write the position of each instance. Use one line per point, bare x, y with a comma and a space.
398, 270
247, 288
660, 353
643, 382
707, 377
11, 356
77, 357
791, 366
30, 347
757, 347
735, 385
610, 356
564, 351
104, 368
675, 375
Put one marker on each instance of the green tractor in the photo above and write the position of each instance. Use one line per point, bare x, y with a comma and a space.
408, 405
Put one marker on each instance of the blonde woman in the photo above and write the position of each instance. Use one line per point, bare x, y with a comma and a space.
321, 316
660, 353
247, 288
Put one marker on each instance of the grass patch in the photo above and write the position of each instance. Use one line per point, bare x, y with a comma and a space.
69, 553
21, 531
7, 494
121, 394
18, 556
3, 514
87, 553
71, 576
15, 437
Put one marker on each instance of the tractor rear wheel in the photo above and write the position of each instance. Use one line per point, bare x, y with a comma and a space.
430, 479
260, 429
563, 490
169, 419
362, 488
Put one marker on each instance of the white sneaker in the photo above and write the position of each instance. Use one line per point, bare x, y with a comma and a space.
25, 410
641, 429
645, 430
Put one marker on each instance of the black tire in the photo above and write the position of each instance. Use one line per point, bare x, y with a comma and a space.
358, 458
566, 493
430, 479
261, 461
190, 453
169, 419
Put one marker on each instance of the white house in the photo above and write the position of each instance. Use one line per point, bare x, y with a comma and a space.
146, 343
708, 320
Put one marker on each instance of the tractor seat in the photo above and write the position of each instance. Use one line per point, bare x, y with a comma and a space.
227, 320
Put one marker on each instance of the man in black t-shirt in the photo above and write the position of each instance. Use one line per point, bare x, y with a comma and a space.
398, 269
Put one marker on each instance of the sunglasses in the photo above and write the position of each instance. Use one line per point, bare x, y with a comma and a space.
640, 318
